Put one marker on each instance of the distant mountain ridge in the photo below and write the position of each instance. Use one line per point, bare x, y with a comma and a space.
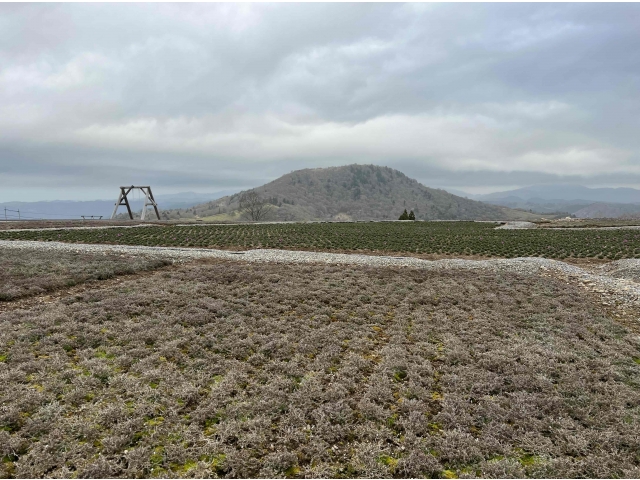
568, 192
577, 200
608, 210
353, 192
68, 209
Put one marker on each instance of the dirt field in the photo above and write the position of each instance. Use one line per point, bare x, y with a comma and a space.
243, 370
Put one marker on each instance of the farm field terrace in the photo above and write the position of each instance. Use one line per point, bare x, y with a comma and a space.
232, 369
438, 238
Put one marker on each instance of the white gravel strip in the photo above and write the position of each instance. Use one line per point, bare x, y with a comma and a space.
516, 226
577, 229
101, 227
617, 291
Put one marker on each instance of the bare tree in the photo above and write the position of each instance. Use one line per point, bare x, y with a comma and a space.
255, 207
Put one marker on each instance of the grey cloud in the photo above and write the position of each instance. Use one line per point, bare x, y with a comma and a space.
97, 167
208, 96
487, 181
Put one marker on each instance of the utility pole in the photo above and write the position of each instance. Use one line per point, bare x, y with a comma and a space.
9, 210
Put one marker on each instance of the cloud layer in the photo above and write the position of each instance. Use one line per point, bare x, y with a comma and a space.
217, 96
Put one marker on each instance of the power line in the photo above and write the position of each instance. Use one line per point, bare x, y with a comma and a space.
23, 217
137, 200
43, 213
10, 216
9, 210
20, 215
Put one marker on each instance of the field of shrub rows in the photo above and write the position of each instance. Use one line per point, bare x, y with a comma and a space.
454, 238
209, 370
32, 272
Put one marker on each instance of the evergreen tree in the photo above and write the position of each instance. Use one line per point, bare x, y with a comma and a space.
404, 216
412, 216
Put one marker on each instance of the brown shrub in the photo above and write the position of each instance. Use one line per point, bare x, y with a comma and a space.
25, 273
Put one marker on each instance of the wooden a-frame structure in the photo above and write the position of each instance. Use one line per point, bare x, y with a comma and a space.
148, 202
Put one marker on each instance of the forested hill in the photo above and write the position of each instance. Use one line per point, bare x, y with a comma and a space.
353, 192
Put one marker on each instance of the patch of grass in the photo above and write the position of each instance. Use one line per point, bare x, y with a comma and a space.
390, 462
217, 462
183, 468
103, 354
400, 375
153, 422
292, 472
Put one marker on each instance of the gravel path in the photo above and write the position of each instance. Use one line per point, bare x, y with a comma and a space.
101, 227
625, 268
577, 229
612, 281
517, 226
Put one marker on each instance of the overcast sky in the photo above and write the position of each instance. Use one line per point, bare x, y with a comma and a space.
207, 97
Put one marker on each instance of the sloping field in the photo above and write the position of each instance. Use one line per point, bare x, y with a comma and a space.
220, 368
415, 238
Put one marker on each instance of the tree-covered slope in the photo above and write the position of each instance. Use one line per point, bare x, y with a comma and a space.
354, 192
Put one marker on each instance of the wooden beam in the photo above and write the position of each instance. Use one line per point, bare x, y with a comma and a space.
124, 200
